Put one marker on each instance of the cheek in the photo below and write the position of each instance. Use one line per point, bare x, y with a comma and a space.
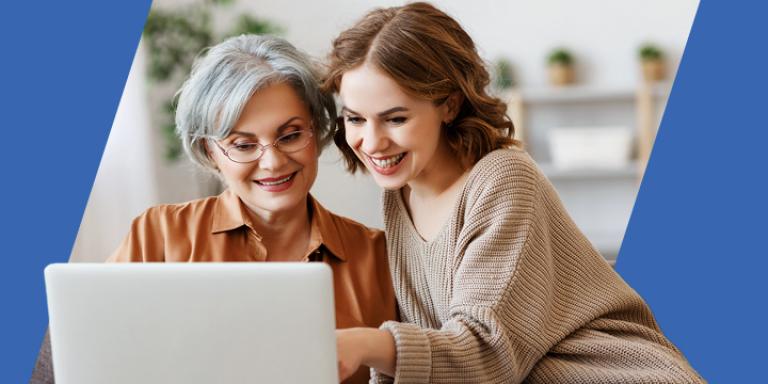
224, 170
310, 175
411, 138
235, 173
232, 178
352, 136
309, 163
426, 136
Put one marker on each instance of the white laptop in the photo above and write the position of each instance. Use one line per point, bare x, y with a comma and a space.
192, 323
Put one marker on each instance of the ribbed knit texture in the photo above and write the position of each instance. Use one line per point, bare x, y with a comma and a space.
510, 290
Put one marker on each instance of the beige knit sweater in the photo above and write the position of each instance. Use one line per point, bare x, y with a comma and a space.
510, 290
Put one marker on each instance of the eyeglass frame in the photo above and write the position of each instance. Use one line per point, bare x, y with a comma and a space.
263, 147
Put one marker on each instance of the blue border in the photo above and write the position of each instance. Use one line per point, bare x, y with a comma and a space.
62, 71
695, 247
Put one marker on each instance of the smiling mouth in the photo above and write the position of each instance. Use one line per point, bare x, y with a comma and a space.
270, 182
387, 162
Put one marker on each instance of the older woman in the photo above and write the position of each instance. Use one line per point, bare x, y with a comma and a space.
252, 112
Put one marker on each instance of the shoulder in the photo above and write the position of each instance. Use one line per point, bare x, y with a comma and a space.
505, 175
190, 207
348, 238
159, 226
503, 166
390, 203
166, 217
353, 229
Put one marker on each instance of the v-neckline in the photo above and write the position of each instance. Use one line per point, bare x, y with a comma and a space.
445, 225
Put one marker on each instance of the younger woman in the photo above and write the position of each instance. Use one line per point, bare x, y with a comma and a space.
494, 281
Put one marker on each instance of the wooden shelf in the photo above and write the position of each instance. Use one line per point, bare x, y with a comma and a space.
581, 94
599, 200
554, 173
575, 93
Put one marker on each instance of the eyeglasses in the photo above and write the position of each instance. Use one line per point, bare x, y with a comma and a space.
250, 152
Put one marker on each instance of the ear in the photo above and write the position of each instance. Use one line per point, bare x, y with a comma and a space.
452, 106
208, 153
207, 148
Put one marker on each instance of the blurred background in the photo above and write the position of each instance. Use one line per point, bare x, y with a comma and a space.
586, 83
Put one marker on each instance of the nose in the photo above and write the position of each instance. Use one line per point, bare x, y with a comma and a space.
272, 159
372, 139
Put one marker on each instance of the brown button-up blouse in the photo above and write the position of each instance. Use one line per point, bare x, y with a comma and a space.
218, 229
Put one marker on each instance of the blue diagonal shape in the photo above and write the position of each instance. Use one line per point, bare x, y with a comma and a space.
695, 248
63, 67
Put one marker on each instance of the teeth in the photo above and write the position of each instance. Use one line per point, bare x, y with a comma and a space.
276, 182
388, 162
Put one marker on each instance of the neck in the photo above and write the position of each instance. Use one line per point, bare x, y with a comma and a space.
441, 175
281, 228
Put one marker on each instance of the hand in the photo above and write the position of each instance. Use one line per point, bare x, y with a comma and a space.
349, 351
364, 346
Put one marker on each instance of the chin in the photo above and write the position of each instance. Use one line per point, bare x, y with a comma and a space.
283, 203
287, 200
274, 203
391, 183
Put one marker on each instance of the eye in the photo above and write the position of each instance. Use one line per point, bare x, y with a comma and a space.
293, 136
398, 120
354, 120
244, 147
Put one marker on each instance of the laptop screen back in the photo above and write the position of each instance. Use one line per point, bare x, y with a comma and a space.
192, 323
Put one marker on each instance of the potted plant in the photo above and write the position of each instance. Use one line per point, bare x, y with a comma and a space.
175, 37
561, 71
652, 62
503, 78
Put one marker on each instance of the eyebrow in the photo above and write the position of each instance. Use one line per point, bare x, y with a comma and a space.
380, 114
280, 128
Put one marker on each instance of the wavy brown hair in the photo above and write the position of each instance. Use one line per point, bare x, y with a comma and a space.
431, 57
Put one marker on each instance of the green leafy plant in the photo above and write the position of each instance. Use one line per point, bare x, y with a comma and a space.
560, 56
503, 78
650, 52
175, 38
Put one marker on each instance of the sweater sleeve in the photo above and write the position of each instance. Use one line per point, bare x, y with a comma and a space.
478, 342
526, 279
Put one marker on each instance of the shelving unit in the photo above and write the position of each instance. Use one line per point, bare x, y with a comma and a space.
600, 200
629, 172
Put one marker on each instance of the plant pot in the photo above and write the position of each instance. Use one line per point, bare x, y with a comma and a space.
561, 74
653, 70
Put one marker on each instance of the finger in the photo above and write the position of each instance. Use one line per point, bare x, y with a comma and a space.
342, 372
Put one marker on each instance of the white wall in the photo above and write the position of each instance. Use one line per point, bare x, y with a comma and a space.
133, 174
603, 34
124, 184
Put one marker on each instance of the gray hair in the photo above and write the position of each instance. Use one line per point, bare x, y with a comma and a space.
221, 83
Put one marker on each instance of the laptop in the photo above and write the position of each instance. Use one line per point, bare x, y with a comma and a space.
192, 323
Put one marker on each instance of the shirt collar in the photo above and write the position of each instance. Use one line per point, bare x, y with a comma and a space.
230, 213
324, 223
